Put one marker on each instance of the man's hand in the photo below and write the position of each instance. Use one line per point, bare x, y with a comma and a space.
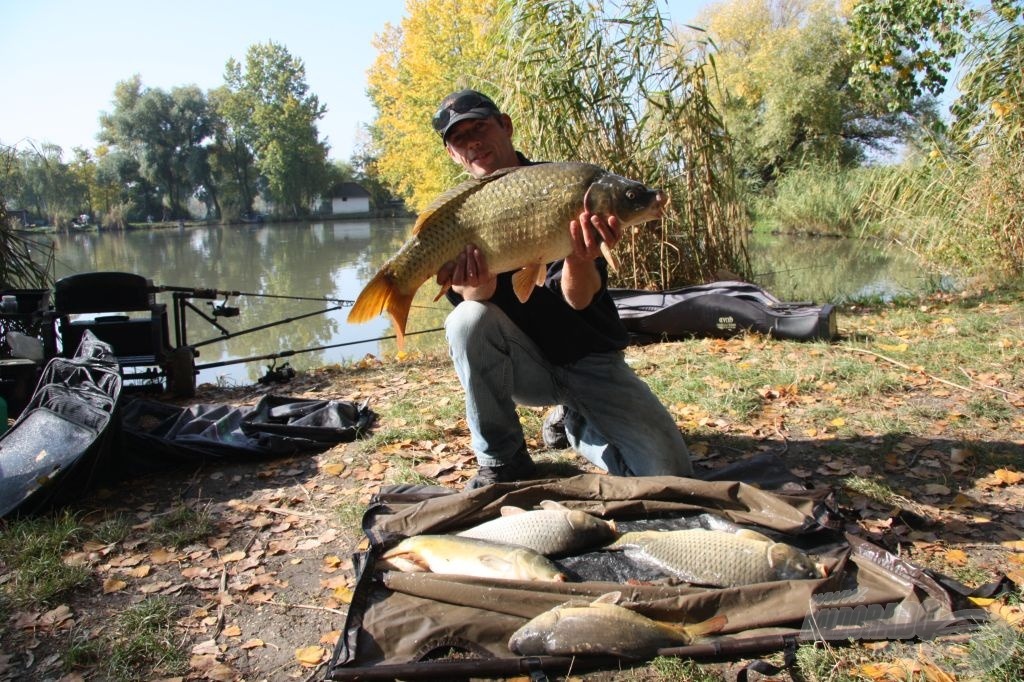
589, 230
468, 275
580, 279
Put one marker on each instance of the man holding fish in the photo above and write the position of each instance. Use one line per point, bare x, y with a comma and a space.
562, 345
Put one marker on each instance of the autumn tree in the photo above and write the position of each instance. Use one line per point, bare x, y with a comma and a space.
418, 63
786, 97
272, 112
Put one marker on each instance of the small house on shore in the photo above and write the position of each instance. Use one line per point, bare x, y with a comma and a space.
349, 198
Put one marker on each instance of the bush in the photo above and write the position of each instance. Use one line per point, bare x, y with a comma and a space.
820, 200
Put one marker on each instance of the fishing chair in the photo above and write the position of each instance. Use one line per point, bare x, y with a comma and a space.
120, 309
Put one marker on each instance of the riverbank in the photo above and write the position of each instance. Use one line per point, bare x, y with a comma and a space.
915, 418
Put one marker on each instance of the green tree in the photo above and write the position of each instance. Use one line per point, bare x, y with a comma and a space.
785, 96
962, 208
47, 186
905, 48
231, 157
274, 114
167, 133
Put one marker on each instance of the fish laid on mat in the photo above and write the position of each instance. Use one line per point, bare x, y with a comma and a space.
552, 530
603, 627
719, 558
455, 555
518, 217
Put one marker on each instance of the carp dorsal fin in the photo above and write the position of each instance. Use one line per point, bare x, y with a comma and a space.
525, 279
510, 510
458, 192
551, 504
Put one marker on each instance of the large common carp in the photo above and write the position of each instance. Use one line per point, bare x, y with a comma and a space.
603, 627
519, 219
719, 558
453, 555
552, 530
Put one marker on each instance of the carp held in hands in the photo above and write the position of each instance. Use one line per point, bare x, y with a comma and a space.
519, 219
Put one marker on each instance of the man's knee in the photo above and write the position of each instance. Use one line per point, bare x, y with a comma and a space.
467, 321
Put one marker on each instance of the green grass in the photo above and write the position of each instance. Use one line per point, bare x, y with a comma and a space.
822, 663
31, 552
350, 517
183, 526
145, 642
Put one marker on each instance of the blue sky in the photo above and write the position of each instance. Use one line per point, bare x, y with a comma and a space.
60, 59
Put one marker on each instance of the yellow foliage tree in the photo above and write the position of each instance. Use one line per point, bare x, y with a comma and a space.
418, 63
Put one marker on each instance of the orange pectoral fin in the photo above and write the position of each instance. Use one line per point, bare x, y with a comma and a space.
524, 280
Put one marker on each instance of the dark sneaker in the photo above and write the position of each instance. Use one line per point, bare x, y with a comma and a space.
553, 432
520, 469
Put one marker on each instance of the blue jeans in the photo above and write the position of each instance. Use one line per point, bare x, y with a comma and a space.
613, 418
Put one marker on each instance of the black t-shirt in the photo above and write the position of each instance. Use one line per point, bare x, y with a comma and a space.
563, 334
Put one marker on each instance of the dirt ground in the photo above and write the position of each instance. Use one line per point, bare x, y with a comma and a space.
264, 595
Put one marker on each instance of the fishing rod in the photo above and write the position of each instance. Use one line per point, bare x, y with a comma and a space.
289, 353
214, 293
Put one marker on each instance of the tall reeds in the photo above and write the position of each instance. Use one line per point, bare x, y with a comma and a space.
621, 92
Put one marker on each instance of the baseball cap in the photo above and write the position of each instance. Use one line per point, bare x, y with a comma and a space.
460, 106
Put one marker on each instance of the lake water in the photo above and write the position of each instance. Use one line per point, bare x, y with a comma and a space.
302, 270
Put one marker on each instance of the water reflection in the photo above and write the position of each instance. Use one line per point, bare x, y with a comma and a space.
827, 269
284, 271
276, 267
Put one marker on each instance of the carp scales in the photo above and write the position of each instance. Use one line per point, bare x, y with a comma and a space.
519, 219
551, 530
453, 555
603, 627
718, 558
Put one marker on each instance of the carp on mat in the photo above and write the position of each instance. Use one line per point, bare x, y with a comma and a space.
551, 530
603, 627
519, 219
450, 554
719, 558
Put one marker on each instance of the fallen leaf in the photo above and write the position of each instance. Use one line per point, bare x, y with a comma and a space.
252, 644
335, 469
1015, 545
111, 585
896, 671
232, 631
1008, 477
310, 656
140, 571
956, 557
237, 555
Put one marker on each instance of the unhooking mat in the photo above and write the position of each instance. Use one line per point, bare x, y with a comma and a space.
157, 434
400, 624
